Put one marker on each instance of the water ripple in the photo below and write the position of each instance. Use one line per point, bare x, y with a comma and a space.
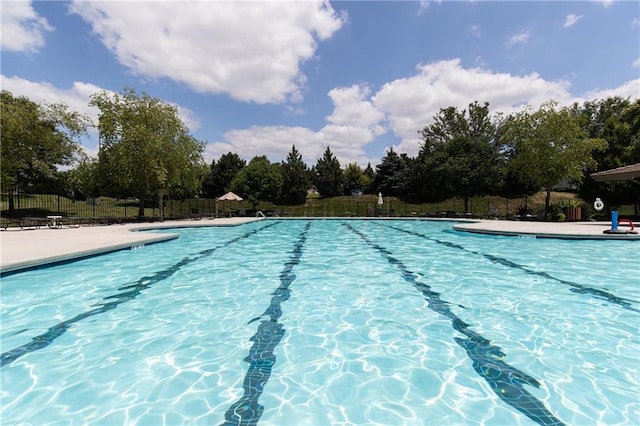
247, 410
575, 288
505, 380
134, 290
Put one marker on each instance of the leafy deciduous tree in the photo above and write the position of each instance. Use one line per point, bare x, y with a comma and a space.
258, 181
551, 145
354, 178
617, 121
145, 147
82, 181
36, 140
460, 155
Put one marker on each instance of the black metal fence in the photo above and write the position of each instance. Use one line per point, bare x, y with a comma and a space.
40, 205
31, 205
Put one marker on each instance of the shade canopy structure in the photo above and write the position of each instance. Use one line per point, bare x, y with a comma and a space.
618, 174
229, 196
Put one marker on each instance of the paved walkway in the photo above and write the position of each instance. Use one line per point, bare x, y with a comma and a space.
578, 230
20, 249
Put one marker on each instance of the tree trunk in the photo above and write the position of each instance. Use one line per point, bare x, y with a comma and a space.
12, 207
547, 201
141, 195
466, 204
161, 204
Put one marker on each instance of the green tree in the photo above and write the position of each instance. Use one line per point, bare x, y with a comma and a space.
513, 183
36, 141
328, 178
354, 178
617, 121
82, 181
370, 176
258, 181
551, 145
460, 154
221, 174
391, 174
145, 148
295, 178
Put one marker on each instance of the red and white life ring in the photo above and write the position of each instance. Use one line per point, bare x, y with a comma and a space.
598, 204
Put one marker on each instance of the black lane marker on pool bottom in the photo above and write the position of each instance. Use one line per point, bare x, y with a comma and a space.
247, 411
575, 288
505, 380
134, 290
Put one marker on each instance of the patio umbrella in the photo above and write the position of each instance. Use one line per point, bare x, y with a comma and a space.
619, 174
380, 201
229, 196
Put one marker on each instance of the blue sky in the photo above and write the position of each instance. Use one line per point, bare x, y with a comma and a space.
255, 78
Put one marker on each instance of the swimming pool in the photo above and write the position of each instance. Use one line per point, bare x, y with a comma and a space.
327, 322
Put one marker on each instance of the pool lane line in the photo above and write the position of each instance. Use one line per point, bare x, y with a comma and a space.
574, 287
111, 302
246, 410
505, 380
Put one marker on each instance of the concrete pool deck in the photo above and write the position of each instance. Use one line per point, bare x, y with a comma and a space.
566, 230
29, 248
35, 247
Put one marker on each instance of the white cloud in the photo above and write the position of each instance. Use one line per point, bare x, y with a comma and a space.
630, 89
273, 141
410, 103
353, 108
571, 19
406, 105
521, 37
346, 143
77, 99
424, 4
22, 28
251, 51
636, 63
360, 115
474, 31
635, 22
353, 123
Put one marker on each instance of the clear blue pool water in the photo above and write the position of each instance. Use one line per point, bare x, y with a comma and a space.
291, 322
